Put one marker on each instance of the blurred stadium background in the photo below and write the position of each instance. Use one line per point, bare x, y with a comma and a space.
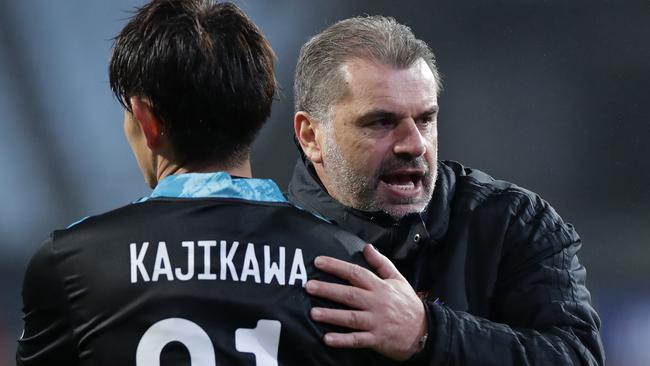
552, 95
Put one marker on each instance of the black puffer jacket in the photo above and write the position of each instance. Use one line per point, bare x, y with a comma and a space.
499, 259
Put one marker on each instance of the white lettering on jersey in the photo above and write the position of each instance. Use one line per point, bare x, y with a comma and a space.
226, 260
137, 264
207, 244
190, 263
298, 271
250, 267
273, 269
231, 265
162, 265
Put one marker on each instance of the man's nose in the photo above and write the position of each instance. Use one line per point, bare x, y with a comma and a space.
409, 140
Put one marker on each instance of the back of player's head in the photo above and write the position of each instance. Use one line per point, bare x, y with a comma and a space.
207, 71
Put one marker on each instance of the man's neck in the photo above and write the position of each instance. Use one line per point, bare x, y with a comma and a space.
166, 168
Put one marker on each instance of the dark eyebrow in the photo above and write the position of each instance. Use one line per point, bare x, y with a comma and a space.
385, 114
379, 114
430, 111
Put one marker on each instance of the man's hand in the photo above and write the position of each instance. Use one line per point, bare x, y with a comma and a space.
388, 316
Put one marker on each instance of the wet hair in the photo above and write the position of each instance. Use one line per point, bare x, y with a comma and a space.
207, 71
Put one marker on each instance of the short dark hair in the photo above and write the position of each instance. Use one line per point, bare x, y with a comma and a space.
319, 81
207, 71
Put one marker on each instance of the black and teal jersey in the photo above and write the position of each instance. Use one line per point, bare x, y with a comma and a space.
208, 270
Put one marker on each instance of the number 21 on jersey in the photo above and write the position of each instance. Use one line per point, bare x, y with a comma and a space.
262, 341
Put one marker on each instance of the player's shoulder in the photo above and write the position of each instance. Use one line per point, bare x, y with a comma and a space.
86, 223
319, 231
283, 218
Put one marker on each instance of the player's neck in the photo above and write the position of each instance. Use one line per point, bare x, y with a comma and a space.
166, 168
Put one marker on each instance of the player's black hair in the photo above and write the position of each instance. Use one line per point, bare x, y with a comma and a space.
207, 71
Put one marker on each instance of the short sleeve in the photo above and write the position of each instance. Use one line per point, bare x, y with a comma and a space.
47, 337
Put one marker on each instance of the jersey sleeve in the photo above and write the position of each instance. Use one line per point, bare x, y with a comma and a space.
47, 337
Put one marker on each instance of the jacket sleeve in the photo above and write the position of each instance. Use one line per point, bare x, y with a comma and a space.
541, 312
47, 337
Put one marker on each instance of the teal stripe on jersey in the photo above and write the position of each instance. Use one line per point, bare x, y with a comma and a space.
220, 184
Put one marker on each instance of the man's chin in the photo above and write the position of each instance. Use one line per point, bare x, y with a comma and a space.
398, 207
397, 211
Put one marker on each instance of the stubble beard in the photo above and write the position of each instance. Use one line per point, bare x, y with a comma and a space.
360, 191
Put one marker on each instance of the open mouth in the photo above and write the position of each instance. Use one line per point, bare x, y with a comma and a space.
403, 181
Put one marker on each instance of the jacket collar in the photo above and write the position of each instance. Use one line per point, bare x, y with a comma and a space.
306, 190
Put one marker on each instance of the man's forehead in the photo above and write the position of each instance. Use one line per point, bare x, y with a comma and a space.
370, 85
380, 73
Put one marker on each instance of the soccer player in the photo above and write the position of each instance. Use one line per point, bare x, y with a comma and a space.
210, 268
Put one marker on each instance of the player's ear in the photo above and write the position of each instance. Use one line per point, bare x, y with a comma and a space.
308, 131
150, 124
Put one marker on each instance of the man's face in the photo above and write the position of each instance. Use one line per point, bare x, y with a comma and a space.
379, 150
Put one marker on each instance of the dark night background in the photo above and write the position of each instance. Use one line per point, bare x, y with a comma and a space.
551, 95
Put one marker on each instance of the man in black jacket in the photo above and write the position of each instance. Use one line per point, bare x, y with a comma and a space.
495, 265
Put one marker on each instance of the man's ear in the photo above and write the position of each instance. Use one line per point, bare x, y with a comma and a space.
151, 126
307, 130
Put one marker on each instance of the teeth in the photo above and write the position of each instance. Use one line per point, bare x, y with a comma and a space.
404, 186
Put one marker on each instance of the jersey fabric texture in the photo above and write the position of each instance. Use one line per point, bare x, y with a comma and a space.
208, 270
496, 264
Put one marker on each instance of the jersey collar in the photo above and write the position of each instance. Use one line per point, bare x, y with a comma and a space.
219, 184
